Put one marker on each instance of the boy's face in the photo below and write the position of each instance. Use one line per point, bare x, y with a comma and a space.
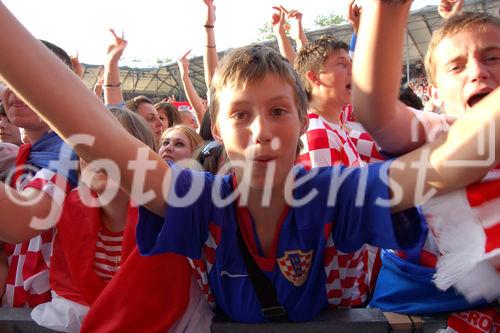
467, 68
260, 125
335, 78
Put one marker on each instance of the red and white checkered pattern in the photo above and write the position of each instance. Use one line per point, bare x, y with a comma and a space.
202, 267
296, 276
347, 279
347, 274
365, 145
28, 276
327, 144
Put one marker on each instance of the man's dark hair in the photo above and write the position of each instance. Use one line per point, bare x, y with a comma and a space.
60, 53
407, 96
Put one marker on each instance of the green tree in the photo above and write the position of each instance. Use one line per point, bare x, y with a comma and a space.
163, 61
322, 21
265, 33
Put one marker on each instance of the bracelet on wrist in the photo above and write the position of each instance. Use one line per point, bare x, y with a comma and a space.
208, 26
112, 85
210, 46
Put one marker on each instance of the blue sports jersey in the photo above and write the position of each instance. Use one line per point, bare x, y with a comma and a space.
295, 266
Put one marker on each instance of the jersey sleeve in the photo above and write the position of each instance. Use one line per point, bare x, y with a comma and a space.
184, 229
361, 213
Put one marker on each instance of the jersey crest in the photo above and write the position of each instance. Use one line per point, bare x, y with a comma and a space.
295, 266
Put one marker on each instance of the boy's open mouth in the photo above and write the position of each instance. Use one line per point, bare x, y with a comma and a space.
474, 99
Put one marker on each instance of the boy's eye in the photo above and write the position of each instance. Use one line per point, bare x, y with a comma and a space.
279, 112
493, 59
456, 68
240, 115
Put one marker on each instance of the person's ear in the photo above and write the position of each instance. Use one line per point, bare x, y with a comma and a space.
432, 91
216, 133
304, 125
313, 78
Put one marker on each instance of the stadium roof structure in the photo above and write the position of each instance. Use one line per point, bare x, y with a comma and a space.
165, 80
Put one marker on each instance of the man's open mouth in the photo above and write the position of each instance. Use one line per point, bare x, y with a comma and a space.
474, 99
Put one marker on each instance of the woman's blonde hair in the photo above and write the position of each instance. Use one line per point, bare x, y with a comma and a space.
194, 138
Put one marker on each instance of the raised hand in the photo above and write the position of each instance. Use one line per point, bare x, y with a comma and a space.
100, 75
278, 20
354, 14
295, 20
170, 99
77, 66
116, 48
210, 15
448, 8
183, 64
98, 89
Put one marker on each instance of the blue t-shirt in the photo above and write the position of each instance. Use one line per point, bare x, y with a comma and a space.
205, 231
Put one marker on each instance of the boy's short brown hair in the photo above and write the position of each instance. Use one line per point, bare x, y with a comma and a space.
249, 64
457, 23
312, 57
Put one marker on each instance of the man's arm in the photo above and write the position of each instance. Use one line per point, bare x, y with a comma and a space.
17, 214
112, 85
191, 93
445, 165
210, 58
377, 77
296, 30
278, 23
80, 111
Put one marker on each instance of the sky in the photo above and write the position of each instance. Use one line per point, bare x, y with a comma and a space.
156, 29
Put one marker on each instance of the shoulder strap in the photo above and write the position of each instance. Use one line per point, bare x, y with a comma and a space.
271, 308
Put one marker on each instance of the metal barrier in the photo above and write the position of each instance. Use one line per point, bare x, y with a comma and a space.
340, 321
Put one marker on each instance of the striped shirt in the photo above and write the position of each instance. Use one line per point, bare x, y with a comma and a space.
108, 251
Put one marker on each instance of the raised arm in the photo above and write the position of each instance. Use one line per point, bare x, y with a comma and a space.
191, 93
210, 58
377, 77
278, 22
80, 111
112, 84
296, 30
98, 89
353, 16
77, 66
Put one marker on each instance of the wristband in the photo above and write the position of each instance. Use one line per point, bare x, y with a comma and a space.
112, 85
210, 46
209, 26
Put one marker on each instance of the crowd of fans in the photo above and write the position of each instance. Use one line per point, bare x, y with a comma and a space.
112, 245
